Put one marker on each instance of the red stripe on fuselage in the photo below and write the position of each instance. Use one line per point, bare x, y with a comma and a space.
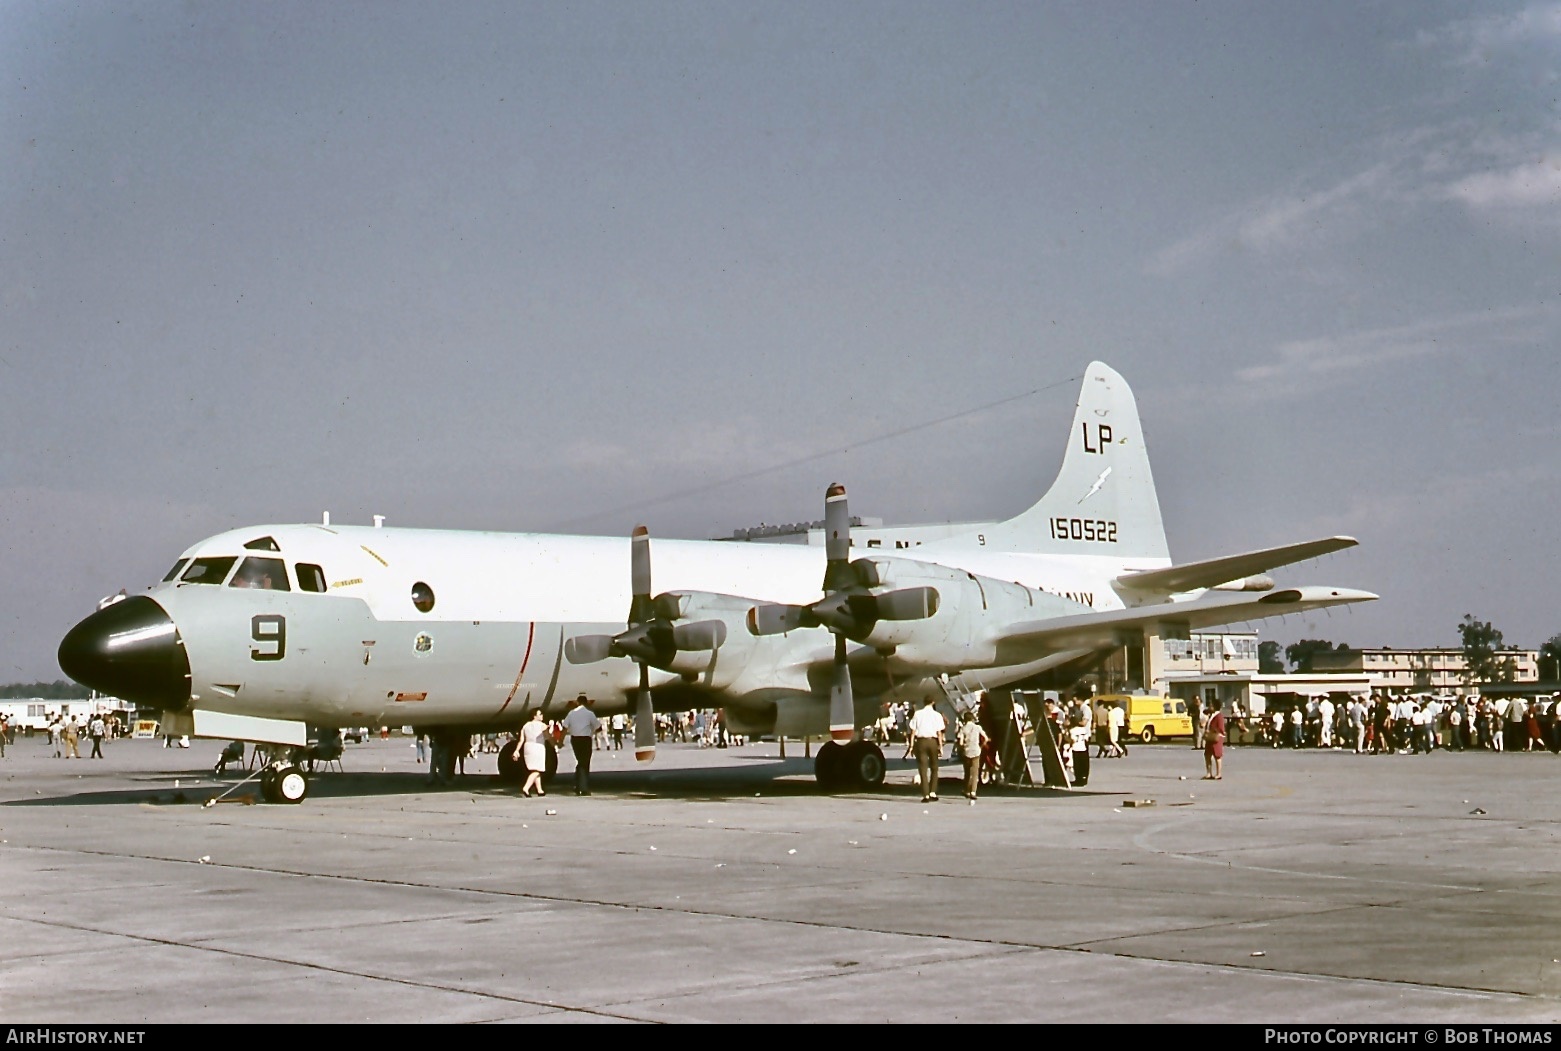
531, 636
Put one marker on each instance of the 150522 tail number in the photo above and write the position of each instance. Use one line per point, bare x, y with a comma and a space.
1097, 529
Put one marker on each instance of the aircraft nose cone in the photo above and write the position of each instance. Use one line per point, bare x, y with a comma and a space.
130, 650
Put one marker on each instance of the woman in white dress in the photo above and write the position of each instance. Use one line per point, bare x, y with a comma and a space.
533, 753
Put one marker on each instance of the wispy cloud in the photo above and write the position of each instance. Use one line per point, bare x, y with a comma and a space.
1510, 173
1322, 360
1388, 510
1515, 176
1473, 41
1535, 184
1280, 221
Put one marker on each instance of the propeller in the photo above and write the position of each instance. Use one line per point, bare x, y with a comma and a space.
652, 638
849, 609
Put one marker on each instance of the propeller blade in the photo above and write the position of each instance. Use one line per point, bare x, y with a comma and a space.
842, 707
837, 524
775, 619
837, 540
907, 604
700, 635
644, 721
641, 608
587, 649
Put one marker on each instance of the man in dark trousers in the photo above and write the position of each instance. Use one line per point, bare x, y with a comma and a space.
581, 725
927, 730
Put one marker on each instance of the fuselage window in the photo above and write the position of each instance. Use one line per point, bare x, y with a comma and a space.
267, 574
310, 578
208, 570
422, 597
175, 570
265, 543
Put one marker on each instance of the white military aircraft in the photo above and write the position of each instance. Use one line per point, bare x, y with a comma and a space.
269, 633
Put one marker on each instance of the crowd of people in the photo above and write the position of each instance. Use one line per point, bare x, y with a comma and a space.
1411, 724
68, 734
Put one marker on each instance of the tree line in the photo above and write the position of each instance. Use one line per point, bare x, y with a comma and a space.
58, 690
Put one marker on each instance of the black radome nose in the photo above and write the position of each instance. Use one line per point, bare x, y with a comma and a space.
130, 650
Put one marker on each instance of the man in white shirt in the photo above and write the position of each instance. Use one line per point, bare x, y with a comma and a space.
581, 725
927, 729
1358, 719
1118, 724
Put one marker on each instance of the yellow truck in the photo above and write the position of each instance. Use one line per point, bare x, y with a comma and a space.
1151, 718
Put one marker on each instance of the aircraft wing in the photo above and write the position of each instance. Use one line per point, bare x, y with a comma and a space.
1087, 631
1207, 574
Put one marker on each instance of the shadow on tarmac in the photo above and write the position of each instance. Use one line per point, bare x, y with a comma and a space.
752, 775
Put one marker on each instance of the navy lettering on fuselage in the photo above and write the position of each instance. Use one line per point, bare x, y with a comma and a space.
1083, 598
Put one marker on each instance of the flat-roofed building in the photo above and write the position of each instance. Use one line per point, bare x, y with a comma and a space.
1438, 670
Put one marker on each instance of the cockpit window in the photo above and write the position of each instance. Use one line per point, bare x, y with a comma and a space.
265, 543
208, 570
267, 574
175, 570
310, 578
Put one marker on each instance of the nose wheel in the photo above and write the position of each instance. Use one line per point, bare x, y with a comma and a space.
284, 784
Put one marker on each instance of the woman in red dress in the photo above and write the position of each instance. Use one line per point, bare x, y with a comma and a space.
1214, 744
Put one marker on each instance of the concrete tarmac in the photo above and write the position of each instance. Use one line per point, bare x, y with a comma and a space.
723, 886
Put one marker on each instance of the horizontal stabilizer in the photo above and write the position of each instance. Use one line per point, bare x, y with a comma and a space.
1089, 631
1207, 574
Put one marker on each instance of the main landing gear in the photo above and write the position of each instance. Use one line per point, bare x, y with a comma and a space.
512, 769
284, 783
850, 767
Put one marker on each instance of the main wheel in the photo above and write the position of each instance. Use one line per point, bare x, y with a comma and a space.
291, 785
829, 764
1148, 735
512, 771
862, 765
268, 785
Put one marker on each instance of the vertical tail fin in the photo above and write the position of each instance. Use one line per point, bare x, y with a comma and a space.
1103, 501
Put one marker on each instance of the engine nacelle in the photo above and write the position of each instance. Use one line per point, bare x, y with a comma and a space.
1260, 582
712, 639
970, 612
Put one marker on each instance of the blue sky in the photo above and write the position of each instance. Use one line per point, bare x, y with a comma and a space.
578, 266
